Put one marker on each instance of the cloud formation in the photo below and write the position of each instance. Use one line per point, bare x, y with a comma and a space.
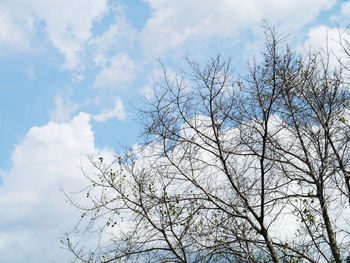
34, 212
174, 22
67, 24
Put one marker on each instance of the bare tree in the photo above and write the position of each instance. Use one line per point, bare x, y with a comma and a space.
233, 169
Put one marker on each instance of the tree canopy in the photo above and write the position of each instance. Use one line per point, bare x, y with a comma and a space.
252, 168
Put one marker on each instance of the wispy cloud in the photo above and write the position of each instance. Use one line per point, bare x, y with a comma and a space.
63, 110
67, 24
116, 112
175, 22
119, 71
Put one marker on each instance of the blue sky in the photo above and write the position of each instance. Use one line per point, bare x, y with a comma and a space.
73, 71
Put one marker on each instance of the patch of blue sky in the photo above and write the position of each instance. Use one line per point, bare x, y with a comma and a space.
327, 17
137, 12
116, 135
28, 86
102, 24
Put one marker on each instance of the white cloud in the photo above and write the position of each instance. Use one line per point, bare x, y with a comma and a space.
117, 112
326, 39
119, 35
35, 214
12, 34
121, 70
147, 92
317, 38
345, 9
67, 23
174, 22
63, 110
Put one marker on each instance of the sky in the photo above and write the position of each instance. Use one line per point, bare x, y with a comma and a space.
74, 72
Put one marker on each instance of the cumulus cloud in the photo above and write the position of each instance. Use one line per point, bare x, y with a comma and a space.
327, 40
48, 158
174, 22
119, 71
116, 112
318, 37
